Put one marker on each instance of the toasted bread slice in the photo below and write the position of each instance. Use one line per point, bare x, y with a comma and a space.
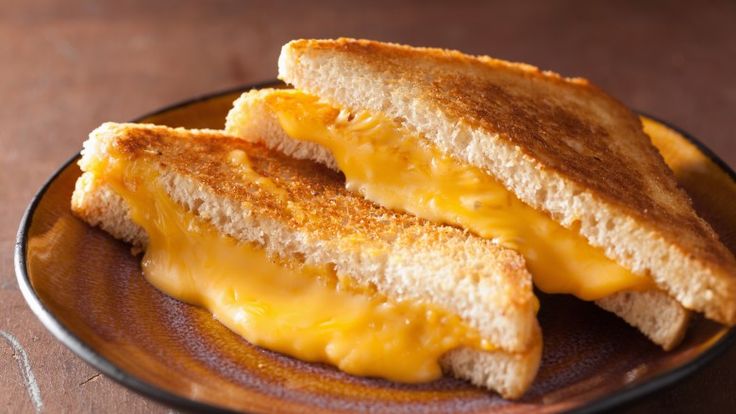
654, 312
404, 257
560, 145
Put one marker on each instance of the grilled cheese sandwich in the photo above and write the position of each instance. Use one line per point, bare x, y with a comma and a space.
548, 166
300, 304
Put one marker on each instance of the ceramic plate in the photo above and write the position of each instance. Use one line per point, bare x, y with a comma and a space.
87, 289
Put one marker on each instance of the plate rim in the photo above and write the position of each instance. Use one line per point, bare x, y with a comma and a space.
64, 335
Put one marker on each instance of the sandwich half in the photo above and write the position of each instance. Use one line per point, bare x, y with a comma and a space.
549, 166
282, 254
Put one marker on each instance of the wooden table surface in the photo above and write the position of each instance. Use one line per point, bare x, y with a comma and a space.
68, 66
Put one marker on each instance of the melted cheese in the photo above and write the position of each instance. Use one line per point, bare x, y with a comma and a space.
396, 168
282, 304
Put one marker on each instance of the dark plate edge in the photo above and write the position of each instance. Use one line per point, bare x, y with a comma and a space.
66, 337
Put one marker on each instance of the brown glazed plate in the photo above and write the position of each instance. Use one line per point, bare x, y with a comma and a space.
87, 289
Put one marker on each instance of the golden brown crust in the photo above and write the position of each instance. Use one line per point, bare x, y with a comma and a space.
566, 128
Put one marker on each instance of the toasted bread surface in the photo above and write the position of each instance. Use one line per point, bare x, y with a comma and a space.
561, 145
655, 313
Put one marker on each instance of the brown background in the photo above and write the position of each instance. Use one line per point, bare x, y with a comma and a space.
67, 66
